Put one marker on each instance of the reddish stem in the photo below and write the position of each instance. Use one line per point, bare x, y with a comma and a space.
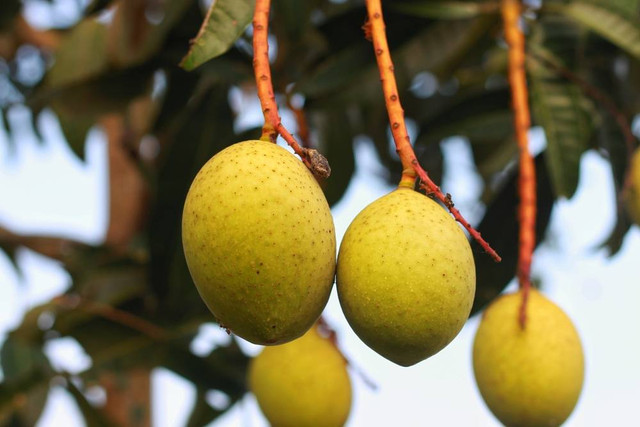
113, 314
375, 31
522, 121
272, 122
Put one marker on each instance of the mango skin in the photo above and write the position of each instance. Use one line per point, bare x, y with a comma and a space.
259, 241
531, 377
631, 195
405, 276
303, 383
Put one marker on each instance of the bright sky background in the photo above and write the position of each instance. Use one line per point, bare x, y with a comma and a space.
44, 189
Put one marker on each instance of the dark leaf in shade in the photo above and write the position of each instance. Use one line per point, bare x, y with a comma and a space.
335, 136
500, 228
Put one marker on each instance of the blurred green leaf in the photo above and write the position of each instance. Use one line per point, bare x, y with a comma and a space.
23, 397
81, 56
10, 251
335, 135
604, 18
612, 141
8, 11
224, 369
96, 6
567, 117
225, 22
500, 228
23, 364
202, 413
201, 129
133, 36
337, 71
75, 129
447, 9
291, 17
106, 93
92, 416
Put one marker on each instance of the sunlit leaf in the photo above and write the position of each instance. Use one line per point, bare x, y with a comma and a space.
225, 22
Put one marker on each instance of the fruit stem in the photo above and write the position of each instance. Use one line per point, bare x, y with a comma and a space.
375, 31
262, 70
511, 11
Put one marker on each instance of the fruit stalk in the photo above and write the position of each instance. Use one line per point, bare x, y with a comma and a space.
262, 70
375, 31
522, 121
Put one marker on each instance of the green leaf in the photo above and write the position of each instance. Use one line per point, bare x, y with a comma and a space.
81, 56
96, 6
23, 396
202, 413
8, 11
103, 93
447, 9
224, 369
74, 128
10, 251
133, 38
293, 17
203, 127
338, 71
92, 416
225, 22
500, 227
567, 116
619, 28
611, 139
26, 368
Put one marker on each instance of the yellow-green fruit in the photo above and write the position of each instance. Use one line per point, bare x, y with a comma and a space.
303, 383
632, 191
531, 376
259, 241
405, 277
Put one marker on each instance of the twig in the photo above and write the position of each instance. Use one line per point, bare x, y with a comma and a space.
75, 302
375, 31
522, 121
272, 122
327, 330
